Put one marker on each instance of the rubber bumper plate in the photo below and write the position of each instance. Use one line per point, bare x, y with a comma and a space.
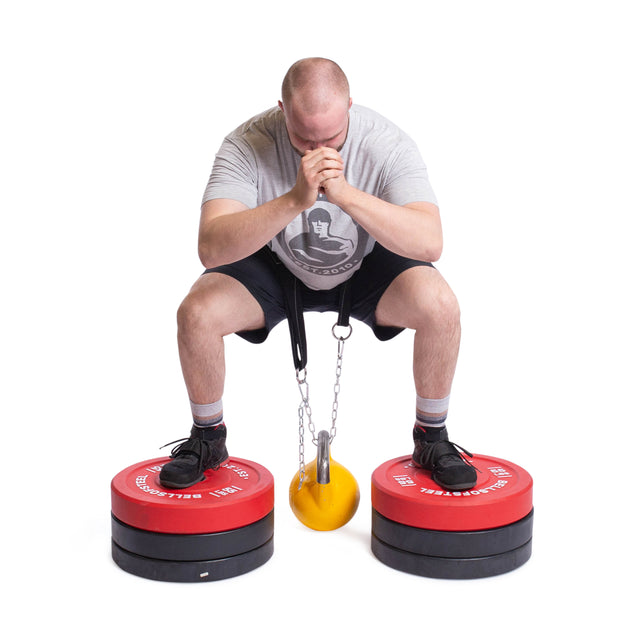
219, 528
420, 528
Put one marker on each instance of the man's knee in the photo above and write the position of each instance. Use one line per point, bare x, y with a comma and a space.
444, 305
435, 303
220, 305
195, 312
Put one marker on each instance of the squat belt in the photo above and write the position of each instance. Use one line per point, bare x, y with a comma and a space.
292, 288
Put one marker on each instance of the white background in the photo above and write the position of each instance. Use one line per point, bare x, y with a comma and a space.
527, 116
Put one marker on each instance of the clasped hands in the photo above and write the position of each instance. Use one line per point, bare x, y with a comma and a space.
321, 171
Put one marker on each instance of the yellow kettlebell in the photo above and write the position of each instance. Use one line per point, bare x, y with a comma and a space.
329, 495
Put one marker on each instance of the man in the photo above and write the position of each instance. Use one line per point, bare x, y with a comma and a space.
318, 159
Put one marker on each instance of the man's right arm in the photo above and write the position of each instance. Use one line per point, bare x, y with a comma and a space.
229, 231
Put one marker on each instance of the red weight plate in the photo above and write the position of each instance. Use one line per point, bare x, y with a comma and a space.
405, 493
236, 495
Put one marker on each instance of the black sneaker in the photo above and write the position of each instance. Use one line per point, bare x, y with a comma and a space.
448, 467
204, 449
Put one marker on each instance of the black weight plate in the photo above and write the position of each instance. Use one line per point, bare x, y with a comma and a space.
452, 568
192, 547
198, 571
452, 544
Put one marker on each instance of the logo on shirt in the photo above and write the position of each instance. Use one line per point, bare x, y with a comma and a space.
324, 240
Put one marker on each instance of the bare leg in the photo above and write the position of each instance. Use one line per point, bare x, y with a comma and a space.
420, 299
216, 306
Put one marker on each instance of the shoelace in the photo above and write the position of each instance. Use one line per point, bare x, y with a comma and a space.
196, 446
434, 451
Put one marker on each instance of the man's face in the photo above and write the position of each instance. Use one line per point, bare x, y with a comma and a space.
327, 128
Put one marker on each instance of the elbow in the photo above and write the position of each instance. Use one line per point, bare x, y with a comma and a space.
435, 254
211, 249
422, 251
209, 264
432, 252
427, 239
208, 257
213, 255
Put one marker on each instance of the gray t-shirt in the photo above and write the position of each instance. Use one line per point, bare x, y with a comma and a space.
323, 246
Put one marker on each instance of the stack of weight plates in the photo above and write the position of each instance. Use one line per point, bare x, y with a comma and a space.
219, 528
420, 528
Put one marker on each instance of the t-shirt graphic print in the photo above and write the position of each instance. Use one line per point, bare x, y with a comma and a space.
324, 242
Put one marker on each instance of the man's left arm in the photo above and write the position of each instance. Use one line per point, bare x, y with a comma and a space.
413, 230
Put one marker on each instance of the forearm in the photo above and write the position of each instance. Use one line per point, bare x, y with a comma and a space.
230, 232
413, 230
234, 234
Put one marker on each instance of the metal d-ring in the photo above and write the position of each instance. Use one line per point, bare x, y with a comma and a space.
337, 337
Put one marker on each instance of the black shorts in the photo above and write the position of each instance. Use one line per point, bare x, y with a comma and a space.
261, 273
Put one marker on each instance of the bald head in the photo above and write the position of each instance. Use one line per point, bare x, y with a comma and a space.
316, 102
313, 84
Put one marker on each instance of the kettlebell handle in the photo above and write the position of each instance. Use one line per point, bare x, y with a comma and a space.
322, 469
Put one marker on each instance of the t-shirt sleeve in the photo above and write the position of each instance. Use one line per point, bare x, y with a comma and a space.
234, 175
406, 178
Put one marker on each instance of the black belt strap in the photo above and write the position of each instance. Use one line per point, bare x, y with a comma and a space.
345, 304
295, 317
293, 301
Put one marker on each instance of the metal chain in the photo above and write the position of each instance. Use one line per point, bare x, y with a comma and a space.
336, 390
305, 406
303, 387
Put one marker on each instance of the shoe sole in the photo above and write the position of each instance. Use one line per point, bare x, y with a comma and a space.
456, 487
179, 485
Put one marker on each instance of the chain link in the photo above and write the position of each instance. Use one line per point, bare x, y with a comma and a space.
305, 407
